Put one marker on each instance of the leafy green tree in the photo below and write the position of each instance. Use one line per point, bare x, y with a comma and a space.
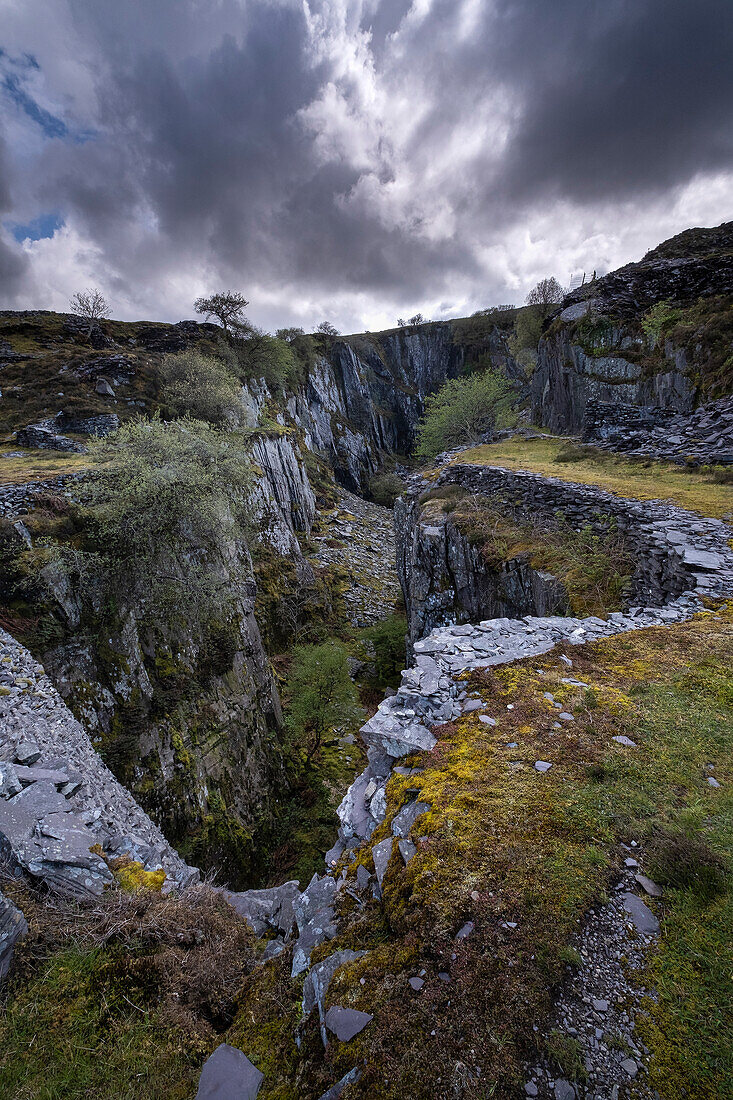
463, 410
227, 306
327, 329
546, 296
274, 360
321, 699
202, 387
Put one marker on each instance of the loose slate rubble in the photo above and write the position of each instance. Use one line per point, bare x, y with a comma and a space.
68, 801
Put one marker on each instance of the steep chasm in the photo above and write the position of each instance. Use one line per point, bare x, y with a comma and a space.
641, 345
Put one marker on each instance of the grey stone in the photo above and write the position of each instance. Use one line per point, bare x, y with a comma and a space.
649, 886
542, 766
417, 983
27, 753
335, 1091
464, 932
403, 821
622, 739
630, 1066
564, 1090
345, 1023
228, 1074
640, 914
600, 1005
407, 850
13, 926
9, 780
381, 854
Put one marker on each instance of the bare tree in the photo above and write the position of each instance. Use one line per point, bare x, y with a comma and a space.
327, 329
547, 294
91, 305
416, 319
227, 306
401, 322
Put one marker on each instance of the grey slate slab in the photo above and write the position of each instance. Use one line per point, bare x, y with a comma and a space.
228, 1074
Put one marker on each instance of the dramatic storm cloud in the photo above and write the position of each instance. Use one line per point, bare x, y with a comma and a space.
352, 159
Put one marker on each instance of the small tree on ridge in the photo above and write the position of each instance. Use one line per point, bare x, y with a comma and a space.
91, 305
227, 306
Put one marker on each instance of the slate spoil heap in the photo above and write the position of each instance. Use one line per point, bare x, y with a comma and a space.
57, 798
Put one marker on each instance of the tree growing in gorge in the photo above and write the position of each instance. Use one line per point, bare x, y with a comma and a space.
463, 410
322, 698
227, 306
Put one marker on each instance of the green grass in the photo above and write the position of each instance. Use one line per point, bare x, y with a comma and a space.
35, 465
697, 491
501, 845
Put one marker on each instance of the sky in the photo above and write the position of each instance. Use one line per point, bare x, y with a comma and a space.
352, 160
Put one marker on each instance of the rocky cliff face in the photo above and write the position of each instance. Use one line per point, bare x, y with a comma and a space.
608, 349
184, 714
446, 579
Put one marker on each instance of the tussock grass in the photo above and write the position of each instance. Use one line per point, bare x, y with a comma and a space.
699, 491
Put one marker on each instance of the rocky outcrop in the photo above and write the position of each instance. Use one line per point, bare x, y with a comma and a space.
185, 712
61, 810
445, 579
596, 355
702, 437
367, 395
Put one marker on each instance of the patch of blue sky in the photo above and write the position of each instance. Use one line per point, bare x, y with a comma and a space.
45, 225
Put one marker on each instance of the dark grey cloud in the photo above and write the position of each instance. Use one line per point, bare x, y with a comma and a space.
620, 96
356, 152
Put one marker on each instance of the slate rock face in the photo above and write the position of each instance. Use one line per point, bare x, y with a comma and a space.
13, 926
228, 1074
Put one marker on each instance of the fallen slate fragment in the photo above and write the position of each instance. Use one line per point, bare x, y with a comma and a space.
362, 876
631, 863
712, 782
407, 850
565, 716
10, 784
600, 1005
623, 740
444, 976
630, 1066
403, 821
27, 753
486, 720
564, 1090
640, 914
530, 1088
228, 1074
542, 766
335, 1091
13, 926
345, 1023
381, 854
417, 983
649, 886
464, 932
472, 704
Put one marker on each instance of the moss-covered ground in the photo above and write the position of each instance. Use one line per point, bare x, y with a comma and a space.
700, 490
524, 856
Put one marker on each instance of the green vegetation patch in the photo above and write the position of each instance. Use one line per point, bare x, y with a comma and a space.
704, 489
120, 998
524, 856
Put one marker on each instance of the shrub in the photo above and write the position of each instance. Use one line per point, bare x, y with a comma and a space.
277, 362
388, 639
203, 387
385, 487
158, 504
657, 319
463, 410
676, 859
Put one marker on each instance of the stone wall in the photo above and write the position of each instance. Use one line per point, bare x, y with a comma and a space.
444, 579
